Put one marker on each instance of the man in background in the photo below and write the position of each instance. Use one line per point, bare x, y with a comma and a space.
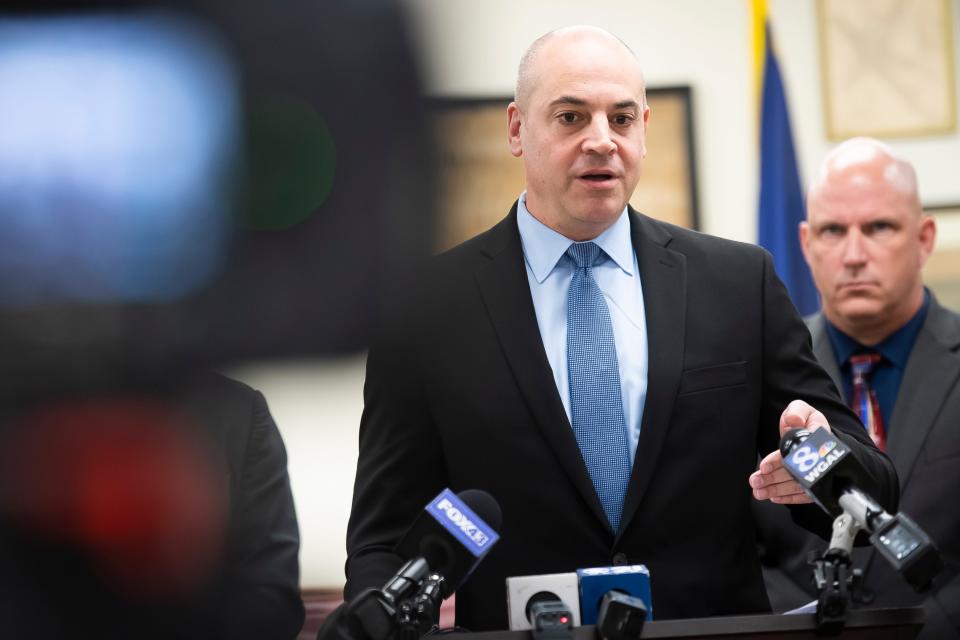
893, 352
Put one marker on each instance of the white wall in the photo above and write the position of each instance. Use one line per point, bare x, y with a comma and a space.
317, 408
472, 48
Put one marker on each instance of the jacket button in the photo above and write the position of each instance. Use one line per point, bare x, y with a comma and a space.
620, 559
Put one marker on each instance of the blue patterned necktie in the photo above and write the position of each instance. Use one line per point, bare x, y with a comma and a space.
595, 397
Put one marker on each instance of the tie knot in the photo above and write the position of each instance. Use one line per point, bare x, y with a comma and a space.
862, 364
584, 254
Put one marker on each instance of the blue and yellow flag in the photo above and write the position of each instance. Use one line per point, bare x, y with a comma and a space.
781, 199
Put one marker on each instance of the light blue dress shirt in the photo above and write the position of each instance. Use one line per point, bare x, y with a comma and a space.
549, 273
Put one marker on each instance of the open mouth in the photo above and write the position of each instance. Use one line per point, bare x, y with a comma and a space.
598, 179
598, 176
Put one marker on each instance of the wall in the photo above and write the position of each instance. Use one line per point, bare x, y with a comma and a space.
317, 407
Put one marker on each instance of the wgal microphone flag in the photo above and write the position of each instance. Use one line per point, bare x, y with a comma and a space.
781, 208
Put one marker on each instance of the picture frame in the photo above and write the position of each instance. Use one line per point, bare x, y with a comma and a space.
887, 68
479, 179
942, 271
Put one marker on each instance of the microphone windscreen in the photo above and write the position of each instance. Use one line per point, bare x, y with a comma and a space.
792, 438
484, 505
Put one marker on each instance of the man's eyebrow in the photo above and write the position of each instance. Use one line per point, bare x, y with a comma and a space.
577, 102
580, 102
829, 223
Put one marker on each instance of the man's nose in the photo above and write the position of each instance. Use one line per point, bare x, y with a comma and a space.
854, 251
598, 138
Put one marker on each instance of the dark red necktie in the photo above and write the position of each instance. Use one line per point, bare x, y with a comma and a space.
864, 401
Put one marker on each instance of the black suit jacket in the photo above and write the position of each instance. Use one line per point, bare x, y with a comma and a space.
258, 592
462, 395
53, 588
924, 444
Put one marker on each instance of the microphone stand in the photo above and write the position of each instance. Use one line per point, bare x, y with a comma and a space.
835, 577
406, 608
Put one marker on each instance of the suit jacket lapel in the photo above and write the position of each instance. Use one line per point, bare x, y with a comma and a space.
663, 274
823, 350
506, 294
931, 372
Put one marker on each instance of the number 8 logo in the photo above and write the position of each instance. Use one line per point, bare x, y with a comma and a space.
804, 458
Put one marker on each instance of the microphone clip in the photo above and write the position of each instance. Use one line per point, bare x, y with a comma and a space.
837, 582
419, 615
406, 608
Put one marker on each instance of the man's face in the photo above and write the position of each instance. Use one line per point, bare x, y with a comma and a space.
581, 132
866, 245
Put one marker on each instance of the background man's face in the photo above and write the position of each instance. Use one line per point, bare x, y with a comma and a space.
581, 134
866, 247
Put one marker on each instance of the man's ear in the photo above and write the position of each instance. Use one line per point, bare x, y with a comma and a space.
804, 232
927, 237
513, 129
646, 122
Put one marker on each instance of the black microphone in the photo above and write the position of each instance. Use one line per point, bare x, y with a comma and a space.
453, 534
823, 465
444, 544
549, 617
621, 616
828, 473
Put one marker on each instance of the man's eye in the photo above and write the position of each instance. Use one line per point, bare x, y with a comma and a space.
832, 231
622, 120
569, 117
880, 226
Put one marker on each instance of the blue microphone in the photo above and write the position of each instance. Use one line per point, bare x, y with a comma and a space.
595, 583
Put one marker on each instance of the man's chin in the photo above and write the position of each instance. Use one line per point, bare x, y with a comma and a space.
860, 311
600, 209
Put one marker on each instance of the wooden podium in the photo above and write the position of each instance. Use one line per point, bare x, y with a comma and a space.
862, 624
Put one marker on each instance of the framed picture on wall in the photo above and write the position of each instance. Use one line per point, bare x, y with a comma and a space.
887, 67
479, 179
942, 271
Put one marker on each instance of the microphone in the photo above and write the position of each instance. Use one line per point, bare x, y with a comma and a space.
550, 600
828, 473
621, 616
823, 465
598, 582
549, 617
453, 534
445, 543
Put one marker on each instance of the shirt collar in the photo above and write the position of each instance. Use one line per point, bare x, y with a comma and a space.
895, 348
543, 247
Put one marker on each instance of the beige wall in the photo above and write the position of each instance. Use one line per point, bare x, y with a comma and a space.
471, 48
